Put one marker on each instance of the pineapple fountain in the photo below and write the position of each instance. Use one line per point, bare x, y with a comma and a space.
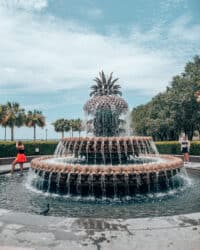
107, 164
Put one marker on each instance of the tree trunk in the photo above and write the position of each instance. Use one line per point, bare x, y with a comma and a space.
5, 134
34, 132
12, 133
62, 134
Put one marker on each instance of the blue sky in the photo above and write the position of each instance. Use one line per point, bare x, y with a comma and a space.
50, 51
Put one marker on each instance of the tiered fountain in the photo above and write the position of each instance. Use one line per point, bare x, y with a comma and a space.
106, 165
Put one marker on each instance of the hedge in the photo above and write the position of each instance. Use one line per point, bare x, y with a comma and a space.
8, 149
173, 147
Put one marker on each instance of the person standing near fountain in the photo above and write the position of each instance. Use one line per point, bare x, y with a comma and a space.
20, 158
185, 148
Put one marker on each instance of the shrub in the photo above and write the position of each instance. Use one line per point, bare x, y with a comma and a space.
174, 147
8, 149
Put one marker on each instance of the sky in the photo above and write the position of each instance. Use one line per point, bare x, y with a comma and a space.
51, 50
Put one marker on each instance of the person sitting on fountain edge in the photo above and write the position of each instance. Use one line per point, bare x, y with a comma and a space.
185, 148
20, 158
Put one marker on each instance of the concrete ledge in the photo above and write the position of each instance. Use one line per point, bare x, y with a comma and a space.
193, 158
193, 170
5, 169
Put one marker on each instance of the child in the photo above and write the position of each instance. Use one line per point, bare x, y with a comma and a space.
21, 157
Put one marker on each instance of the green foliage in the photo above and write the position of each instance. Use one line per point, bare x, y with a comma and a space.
65, 125
105, 86
168, 147
175, 111
34, 119
13, 115
173, 147
61, 125
8, 149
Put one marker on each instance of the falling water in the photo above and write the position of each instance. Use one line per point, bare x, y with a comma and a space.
95, 152
103, 186
127, 191
119, 152
157, 187
58, 180
102, 152
132, 147
153, 146
49, 182
87, 148
78, 184
115, 186
68, 184
125, 148
110, 150
56, 153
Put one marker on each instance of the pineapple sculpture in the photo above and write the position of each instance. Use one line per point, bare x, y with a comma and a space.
105, 106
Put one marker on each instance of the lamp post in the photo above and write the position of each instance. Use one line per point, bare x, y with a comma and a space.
46, 130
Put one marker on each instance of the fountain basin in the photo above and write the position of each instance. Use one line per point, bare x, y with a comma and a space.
100, 180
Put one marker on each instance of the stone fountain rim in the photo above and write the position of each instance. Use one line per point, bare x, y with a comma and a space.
171, 163
117, 138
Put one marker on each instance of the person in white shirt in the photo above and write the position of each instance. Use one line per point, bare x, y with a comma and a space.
185, 148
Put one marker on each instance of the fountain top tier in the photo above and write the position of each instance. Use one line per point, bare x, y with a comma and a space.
114, 103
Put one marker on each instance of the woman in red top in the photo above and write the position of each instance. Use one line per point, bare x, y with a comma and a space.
21, 157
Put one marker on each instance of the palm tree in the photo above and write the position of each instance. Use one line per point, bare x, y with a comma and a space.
79, 126
14, 115
75, 125
105, 85
3, 118
34, 119
61, 125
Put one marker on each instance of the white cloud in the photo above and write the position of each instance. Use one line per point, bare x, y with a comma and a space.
23, 4
38, 54
183, 30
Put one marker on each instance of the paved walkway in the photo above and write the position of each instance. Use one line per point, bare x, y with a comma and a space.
27, 231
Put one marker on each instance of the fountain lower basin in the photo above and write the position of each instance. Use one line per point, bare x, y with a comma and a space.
56, 176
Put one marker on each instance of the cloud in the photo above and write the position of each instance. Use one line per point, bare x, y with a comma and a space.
36, 5
41, 53
182, 29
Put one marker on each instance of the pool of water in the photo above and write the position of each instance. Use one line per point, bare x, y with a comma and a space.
16, 193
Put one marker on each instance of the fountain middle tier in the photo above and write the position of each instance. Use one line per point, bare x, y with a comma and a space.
60, 165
